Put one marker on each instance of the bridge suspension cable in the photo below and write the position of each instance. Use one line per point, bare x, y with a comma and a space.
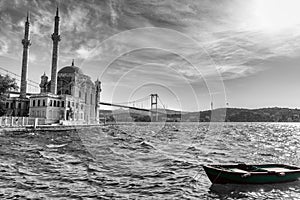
161, 103
32, 85
134, 101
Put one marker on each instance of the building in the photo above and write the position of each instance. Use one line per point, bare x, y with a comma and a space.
77, 97
17, 106
70, 97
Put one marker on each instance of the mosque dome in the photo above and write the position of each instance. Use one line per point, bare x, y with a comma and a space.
71, 69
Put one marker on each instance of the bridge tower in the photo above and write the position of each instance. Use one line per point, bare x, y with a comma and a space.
26, 43
153, 99
97, 102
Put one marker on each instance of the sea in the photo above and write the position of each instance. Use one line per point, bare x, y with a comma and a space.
144, 161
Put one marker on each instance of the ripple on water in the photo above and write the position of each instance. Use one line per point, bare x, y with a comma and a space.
141, 162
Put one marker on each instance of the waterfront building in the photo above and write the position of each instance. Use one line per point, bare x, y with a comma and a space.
70, 97
77, 97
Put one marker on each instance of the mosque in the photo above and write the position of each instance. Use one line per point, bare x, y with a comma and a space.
70, 97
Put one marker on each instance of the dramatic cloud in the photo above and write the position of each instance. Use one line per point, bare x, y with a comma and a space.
234, 38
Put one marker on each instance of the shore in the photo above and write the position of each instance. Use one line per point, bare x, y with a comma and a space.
46, 128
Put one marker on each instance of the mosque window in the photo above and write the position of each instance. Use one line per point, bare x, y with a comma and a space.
54, 103
39, 103
44, 102
19, 105
50, 104
58, 103
33, 103
63, 104
7, 105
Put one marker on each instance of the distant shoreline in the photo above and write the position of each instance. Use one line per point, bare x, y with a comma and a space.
274, 114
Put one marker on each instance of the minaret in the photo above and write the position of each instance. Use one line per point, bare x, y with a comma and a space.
26, 43
56, 38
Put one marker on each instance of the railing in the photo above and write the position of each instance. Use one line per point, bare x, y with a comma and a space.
20, 121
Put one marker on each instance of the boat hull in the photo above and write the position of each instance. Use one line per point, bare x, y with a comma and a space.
219, 176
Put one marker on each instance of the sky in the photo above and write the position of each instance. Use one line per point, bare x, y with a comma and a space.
233, 53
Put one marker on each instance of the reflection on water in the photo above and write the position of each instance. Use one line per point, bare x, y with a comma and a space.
143, 162
272, 191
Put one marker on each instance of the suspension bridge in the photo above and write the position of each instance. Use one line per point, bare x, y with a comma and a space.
155, 106
32, 86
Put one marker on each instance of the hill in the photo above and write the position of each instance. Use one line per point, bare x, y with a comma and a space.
274, 114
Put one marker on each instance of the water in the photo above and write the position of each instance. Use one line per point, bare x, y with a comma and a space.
143, 162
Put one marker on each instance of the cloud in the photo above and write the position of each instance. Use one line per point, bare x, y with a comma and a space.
226, 39
75, 20
3, 47
32, 58
113, 13
233, 72
83, 52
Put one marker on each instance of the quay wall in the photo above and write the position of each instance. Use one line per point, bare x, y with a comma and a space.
27, 124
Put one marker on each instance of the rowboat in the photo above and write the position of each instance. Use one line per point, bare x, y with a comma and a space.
251, 174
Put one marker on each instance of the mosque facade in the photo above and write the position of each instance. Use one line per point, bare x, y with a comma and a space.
70, 97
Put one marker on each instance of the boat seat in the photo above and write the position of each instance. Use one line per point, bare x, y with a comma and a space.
238, 170
275, 169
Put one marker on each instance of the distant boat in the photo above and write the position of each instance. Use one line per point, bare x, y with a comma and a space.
251, 174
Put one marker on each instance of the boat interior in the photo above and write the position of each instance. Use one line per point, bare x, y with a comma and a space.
244, 168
